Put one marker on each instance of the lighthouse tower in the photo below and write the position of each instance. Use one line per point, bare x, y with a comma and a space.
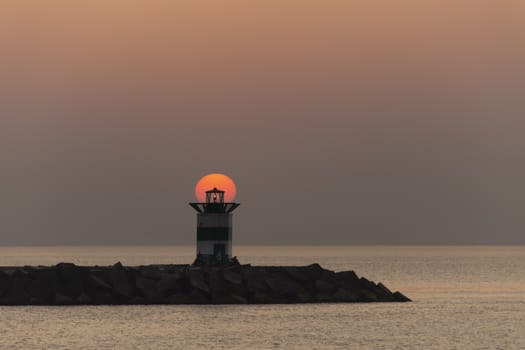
214, 227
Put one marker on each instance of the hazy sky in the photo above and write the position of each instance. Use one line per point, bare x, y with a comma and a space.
341, 121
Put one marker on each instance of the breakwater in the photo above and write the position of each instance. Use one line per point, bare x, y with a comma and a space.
69, 284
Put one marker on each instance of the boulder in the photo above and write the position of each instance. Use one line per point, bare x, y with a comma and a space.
285, 290
384, 288
148, 290
67, 271
61, 299
16, 293
224, 285
196, 279
254, 279
260, 297
67, 284
42, 287
168, 283
97, 283
345, 296
233, 276
324, 286
366, 295
314, 270
102, 297
150, 272
84, 299
121, 281
200, 285
301, 274
398, 296
36, 301
4, 282
178, 299
228, 299
347, 278
373, 292
198, 297
69, 280
383, 293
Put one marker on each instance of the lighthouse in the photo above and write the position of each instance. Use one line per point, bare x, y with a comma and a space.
214, 228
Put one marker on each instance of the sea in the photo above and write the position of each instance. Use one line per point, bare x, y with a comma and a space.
464, 297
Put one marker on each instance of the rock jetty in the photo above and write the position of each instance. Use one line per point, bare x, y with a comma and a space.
69, 284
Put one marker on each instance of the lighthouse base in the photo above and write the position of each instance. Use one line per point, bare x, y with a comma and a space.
215, 260
214, 250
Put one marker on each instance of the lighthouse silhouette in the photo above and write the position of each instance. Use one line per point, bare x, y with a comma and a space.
214, 228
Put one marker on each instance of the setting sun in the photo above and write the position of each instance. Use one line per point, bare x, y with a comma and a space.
221, 182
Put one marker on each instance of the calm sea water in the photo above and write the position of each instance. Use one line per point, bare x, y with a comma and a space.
464, 298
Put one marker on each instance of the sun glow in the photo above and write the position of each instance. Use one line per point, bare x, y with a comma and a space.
221, 182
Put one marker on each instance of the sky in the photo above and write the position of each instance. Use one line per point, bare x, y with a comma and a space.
341, 121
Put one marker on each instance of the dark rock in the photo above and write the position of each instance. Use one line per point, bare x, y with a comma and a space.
36, 301
168, 284
347, 277
198, 297
230, 283
4, 282
228, 299
200, 285
61, 299
72, 288
98, 283
84, 299
239, 299
67, 271
143, 283
254, 279
97, 289
324, 286
69, 280
42, 287
148, 289
383, 288
234, 262
225, 285
102, 297
302, 274
345, 296
196, 279
150, 272
366, 295
286, 290
261, 297
179, 299
383, 293
31, 271
314, 270
215, 261
234, 277
17, 293
398, 296
372, 292
121, 281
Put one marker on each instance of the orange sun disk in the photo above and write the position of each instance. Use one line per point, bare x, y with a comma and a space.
221, 181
